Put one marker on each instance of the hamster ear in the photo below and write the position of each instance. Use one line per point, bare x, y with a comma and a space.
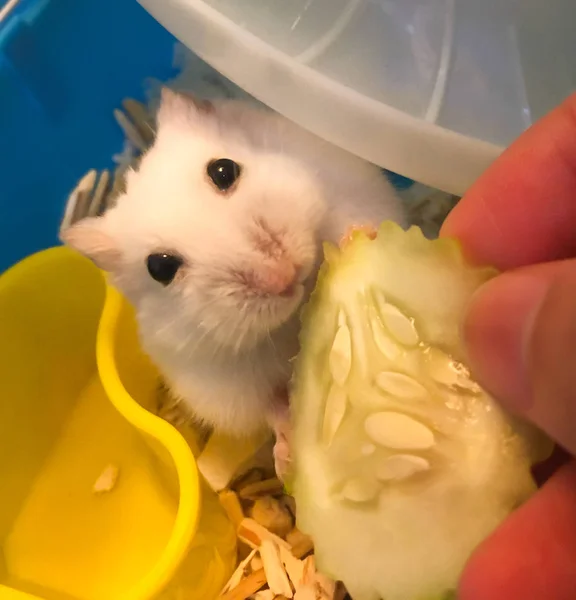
88, 237
178, 107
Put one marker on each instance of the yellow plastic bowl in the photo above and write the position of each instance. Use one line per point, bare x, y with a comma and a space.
75, 390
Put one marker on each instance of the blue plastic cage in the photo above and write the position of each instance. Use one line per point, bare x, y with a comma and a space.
65, 65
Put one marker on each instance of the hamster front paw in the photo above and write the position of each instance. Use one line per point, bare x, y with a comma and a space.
281, 425
282, 457
370, 231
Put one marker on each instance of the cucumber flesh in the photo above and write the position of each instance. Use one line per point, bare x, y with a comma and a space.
402, 463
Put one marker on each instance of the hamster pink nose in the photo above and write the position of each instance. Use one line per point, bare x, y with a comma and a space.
278, 278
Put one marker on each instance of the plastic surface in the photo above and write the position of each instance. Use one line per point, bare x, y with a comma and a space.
65, 65
146, 538
430, 89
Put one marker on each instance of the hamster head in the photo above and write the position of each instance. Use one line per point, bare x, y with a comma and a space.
216, 234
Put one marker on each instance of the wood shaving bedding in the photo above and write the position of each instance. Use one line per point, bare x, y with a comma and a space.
106, 481
278, 559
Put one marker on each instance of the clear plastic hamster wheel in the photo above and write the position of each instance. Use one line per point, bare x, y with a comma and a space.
431, 89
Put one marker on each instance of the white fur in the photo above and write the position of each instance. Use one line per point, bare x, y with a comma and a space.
222, 348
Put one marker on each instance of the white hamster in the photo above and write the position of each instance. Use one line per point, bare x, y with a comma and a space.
217, 242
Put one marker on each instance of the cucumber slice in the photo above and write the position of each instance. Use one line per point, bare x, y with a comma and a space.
402, 463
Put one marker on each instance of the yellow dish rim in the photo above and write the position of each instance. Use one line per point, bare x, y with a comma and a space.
186, 521
189, 500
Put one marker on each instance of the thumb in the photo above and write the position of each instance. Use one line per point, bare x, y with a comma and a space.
520, 334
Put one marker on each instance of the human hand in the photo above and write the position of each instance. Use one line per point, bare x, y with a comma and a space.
521, 339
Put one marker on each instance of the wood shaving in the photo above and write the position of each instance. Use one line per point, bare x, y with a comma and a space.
307, 589
240, 572
303, 550
78, 202
341, 593
276, 576
141, 118
99, 197
296, 537
265, 595
306, 593
130, 130
293, 566
118, 186
271, 514
308, 571
428, 208
314, 585
253, 491
253, 534
256, 563
247, 587
231, 504
326, 586
251, 476
251, 584
106, 481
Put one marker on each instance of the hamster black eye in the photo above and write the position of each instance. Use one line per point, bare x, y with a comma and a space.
223, 172
163, 267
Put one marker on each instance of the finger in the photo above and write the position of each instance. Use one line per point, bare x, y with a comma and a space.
532, 556
523, 209
520, 335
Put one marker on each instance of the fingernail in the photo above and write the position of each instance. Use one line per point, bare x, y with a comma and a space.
497, 331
